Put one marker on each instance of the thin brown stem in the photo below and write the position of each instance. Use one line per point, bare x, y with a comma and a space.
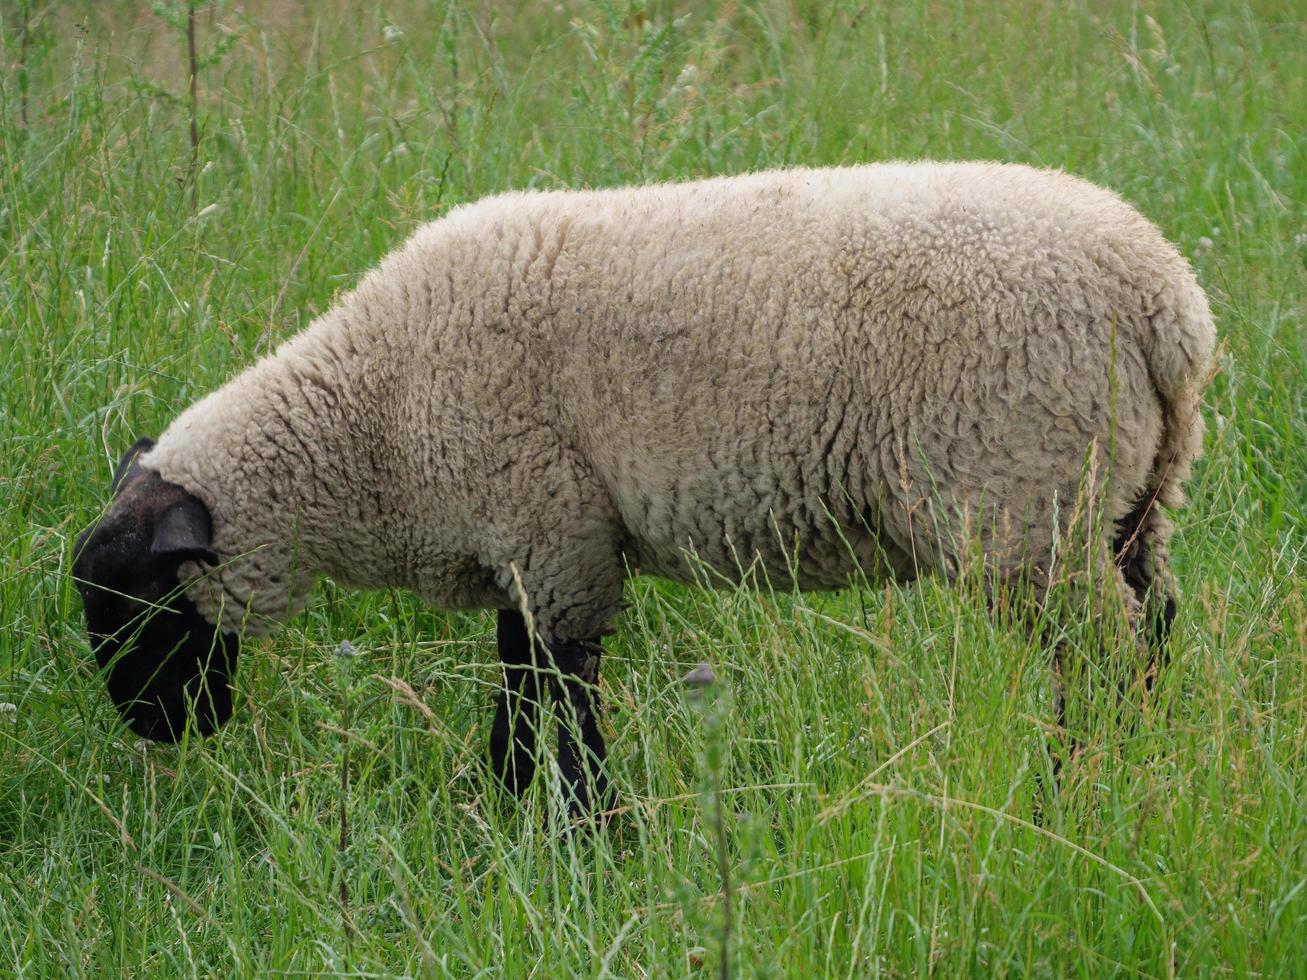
342, 847
24, 40
724, 873
193, 64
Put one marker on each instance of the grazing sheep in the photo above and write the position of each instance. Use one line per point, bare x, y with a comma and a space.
811, 370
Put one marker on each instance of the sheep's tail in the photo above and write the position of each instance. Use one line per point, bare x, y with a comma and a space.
1179, 357
1178, 349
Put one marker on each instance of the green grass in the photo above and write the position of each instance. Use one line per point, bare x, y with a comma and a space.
879, 750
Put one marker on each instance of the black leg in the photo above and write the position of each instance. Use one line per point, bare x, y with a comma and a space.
517, 710
1142, 560
576, 704
1063, 743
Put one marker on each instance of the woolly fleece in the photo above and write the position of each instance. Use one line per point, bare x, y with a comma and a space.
805, 368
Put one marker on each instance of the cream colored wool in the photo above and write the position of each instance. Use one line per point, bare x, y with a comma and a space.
805, 368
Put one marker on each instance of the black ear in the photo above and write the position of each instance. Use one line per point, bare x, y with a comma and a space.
185, 532
128, 462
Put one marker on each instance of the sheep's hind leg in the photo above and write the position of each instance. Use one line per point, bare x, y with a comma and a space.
1138, 574
1093, 621
576, 705
517, 710
1115, 659
1139, 551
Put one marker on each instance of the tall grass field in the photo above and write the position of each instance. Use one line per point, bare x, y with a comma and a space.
867, 788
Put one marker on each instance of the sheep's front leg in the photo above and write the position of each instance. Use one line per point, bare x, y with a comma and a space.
576, 704
517, 710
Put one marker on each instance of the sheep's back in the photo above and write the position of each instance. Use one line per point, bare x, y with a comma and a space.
812, 356
803, 364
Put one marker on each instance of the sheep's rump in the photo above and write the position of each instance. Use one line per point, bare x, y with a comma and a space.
817, 367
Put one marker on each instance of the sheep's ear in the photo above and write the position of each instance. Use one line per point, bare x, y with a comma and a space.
128, 462
185, 532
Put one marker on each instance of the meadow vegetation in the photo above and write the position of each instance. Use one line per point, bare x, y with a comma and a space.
871, 768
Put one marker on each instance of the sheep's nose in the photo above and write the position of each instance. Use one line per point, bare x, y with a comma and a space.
166, 724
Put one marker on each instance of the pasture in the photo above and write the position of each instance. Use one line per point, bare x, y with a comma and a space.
866, 789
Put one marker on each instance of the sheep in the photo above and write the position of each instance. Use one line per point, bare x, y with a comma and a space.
807, 371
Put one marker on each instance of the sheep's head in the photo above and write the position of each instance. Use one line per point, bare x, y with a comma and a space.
163, 662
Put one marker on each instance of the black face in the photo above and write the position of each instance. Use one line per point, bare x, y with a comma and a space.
164, 664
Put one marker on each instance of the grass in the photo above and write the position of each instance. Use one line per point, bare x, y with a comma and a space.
871, 759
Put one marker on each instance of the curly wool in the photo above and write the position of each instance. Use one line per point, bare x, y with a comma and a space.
810, 369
